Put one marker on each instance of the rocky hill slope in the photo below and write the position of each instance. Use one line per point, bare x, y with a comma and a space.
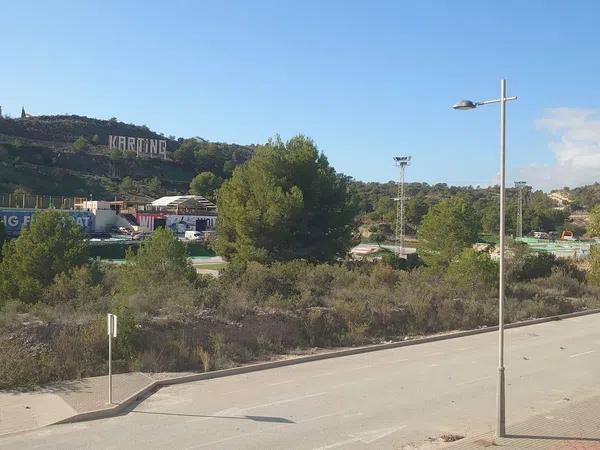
69, 156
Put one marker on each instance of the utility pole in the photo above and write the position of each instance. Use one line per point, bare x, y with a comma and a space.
401, 162
520, 185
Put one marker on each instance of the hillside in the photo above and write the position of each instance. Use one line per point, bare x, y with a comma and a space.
66, 129
38, 155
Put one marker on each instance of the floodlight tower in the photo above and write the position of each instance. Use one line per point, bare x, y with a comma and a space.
401, 162
520, 185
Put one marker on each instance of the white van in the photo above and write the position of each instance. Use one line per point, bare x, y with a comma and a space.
193, 235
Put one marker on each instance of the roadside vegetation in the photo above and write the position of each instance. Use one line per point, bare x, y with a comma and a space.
286, 221
278, 294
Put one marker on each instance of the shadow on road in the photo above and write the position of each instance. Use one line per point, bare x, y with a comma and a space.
552, 438
253, 418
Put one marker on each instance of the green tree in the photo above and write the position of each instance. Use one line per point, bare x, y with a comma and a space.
593, 229
186, 153
285, 203
540, 214
80, 145
490, 218
447, 228
155, 186
162, 259
95, 139
593, 275
116, 154
378, 237
471, 268
53, 244
205, 184
127, 185
416, 208
23, 114
385, 209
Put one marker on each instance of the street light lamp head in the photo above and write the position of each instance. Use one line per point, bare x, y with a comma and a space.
464, 104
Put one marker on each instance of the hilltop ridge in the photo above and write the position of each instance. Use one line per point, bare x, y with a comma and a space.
67, 128
69, 155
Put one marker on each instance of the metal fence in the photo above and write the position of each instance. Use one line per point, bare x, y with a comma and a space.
29, 201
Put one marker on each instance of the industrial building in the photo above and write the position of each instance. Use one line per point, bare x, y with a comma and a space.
179, 213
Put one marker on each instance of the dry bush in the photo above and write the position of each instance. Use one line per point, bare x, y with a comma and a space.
322, 327
234, 305
155, 297
173, 355
204, 358
21, 365
560, 283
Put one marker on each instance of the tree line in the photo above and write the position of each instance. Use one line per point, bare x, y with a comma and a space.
375, 204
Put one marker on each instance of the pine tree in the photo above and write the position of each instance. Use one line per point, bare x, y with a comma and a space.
23, 115
285, 203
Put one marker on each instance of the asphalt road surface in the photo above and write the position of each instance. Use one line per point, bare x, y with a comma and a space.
389, 399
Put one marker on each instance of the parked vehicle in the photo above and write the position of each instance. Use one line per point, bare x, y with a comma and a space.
541, 235
567, 235
193, 235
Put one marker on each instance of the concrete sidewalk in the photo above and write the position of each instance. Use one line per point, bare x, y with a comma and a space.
22, 411
576, 426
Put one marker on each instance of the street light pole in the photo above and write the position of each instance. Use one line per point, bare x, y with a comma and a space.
500, 392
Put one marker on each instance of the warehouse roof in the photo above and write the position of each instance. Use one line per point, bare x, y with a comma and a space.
184, 201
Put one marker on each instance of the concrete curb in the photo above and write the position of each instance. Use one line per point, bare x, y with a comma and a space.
150, 388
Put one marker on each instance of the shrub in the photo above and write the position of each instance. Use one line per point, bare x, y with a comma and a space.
322, 327
531, 265
77, 288
411, 261
72, 351
472, 268
116, 154
80, 145
158, 274
560, 283
172, 355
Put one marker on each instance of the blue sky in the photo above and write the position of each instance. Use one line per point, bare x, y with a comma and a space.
365, 80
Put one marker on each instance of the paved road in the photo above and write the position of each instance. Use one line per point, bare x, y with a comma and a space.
383, 400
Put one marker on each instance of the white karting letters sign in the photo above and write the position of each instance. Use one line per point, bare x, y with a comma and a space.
152, 147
